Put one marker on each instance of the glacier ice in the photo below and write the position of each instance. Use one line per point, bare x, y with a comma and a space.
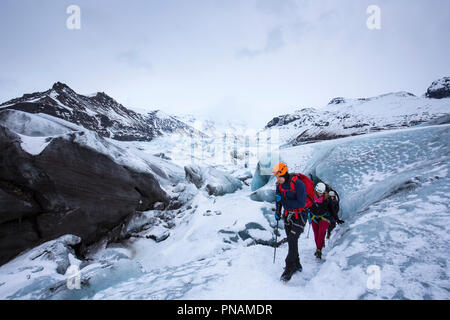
215, 181
394, 188
34, 273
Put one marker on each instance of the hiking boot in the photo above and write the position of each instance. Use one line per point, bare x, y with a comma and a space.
287, 274
299, 267
318, 254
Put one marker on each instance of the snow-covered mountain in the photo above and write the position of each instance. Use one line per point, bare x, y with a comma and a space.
215, 126
100, 113
344, 117
210, 235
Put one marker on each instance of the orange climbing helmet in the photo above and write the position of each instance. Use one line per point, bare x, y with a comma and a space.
280, 169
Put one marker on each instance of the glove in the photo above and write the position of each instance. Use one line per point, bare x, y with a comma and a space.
278, 212
340, 221
277, 198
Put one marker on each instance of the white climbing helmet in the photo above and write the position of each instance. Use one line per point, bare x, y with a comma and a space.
332, 193
320, 187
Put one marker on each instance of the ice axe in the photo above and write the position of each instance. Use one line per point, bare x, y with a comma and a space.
307, 236
309, 220
276, 238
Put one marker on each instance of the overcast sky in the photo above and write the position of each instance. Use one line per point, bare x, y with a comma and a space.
246, 60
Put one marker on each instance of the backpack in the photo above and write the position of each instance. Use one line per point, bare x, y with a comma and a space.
308, 185
337, 196
328, 189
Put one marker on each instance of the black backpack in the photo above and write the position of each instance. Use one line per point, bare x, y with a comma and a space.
328, 189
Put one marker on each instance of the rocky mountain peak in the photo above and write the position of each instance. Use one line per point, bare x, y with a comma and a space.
439, 89
99, 113
60, 87
101, 96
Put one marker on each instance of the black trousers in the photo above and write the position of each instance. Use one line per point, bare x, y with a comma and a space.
332, 224
294, 228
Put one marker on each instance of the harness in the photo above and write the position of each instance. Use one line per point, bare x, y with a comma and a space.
316, 217
288, 214
293, 211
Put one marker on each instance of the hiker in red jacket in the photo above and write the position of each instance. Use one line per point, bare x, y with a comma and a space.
320, 214
291, 194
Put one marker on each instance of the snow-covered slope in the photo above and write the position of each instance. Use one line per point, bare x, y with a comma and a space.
346, 117
100, 113
394, 187
37, 131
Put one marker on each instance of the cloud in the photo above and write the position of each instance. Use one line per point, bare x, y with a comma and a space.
276, 7
133, 59
274, 42
7, 82
9, 88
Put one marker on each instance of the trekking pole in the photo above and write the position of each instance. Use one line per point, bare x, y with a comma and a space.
276, 238
307, 237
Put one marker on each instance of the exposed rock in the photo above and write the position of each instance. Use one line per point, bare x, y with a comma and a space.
194, 175
162, 156
337, 100
16, 236
254, 233
273, 122
16, 202
439, 89
207, 213
282, 120
66, 189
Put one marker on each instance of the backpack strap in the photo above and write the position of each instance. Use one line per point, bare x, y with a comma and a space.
282, 191
312, 200
293, 179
